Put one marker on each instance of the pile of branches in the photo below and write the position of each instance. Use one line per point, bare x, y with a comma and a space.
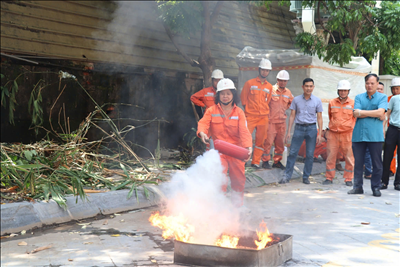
49, 169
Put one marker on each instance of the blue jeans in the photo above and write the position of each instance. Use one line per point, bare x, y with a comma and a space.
375, 149
367, 163
301, 133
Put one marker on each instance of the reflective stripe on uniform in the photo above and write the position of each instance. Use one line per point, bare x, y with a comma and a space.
255, 89
259, 148
278, 154
347, 170
286, 96
335, 107
266, 90
347, 108
217, 115
265, 155
234, 118
331, 170
276, 95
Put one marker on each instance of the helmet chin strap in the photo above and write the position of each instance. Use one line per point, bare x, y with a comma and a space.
226, 103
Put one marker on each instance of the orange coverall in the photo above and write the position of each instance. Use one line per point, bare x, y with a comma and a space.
280, 102
341, 124
204, 98
255, 96
231, 129
393, 163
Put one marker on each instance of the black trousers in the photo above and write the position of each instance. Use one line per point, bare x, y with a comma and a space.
391, 141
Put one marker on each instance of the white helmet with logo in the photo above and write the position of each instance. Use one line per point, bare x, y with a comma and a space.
395, 82
217, 74
343, 85
265, 64
283, 75
225, 84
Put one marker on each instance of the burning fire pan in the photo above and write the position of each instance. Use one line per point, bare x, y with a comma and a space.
207, 255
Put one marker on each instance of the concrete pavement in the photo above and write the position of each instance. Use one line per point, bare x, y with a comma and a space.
329, 228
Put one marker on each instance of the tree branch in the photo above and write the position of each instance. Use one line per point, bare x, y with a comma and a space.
216, 11
191, 61
322, 23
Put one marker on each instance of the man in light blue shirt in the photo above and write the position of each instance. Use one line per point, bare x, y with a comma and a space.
306, 112
369, 109
392, 136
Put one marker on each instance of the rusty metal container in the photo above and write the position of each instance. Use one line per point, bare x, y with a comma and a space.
208, 255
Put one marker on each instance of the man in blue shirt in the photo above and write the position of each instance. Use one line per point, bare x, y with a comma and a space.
306, 112
392, 136
369, 109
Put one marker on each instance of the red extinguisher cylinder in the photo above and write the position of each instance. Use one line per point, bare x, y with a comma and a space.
231, 150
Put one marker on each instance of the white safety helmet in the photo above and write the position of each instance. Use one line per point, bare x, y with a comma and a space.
225, 84
283, 75
217, 74
343, 85
265, 64
395, 82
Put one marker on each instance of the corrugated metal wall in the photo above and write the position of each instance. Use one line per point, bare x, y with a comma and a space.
77, 30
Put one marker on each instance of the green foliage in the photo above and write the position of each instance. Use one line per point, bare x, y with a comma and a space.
392, 64
183, 17
34, 106
8, 92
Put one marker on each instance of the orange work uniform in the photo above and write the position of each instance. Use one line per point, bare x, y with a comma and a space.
204, 98
255, 97
341, 124
280, 102
231, 129
393, 163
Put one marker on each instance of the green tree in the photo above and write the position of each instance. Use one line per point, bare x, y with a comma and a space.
354, 28
186, 18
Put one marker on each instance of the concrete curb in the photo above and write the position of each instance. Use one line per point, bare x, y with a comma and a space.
16, 217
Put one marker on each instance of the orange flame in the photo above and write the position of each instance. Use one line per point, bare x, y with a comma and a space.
264, 236
176, 227
227, 241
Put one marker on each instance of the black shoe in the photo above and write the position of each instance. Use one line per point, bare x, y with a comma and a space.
368, 176
397, 187
383, 187
376, 192
255, 166
318, 160
327, 182
306, 181
283, 181
391, 174
278, 165
349, 183
266, 165
356, 191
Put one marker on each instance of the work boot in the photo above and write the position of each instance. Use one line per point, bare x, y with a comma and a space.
376, 192
278, 165
318, 160
306, 181
356, 191
283, 180
326, 182
266, 165
383, 186
397, 187
349, 183
339, 167
391, 174
255, 166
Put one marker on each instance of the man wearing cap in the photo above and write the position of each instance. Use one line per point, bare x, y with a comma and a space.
341, 124
205, 97
280, 102
369, 109
392, 136
255, 97
306, 112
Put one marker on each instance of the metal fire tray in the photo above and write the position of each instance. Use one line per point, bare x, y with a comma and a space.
208, 255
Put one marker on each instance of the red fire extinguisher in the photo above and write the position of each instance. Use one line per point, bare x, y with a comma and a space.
231, 150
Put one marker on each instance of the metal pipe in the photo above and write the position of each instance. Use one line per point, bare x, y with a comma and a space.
19, 58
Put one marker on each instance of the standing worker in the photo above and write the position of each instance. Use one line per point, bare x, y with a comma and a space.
280, 102
255, 96
369, 109
341, 124
205, 97
306, 112
227, 122
395, 88
392, 137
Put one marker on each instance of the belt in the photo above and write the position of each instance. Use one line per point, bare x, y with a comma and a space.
391, 125
305, 124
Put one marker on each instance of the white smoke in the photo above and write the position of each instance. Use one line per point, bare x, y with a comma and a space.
197, 195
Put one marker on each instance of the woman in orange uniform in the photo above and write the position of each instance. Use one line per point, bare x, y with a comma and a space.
227, 122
